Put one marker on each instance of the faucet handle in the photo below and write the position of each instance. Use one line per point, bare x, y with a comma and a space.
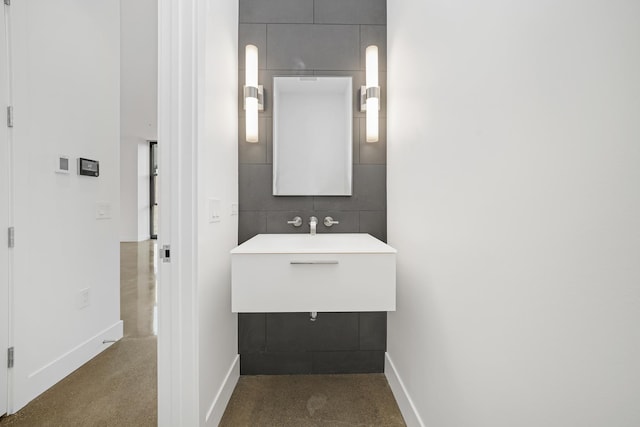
296, 221
328, 221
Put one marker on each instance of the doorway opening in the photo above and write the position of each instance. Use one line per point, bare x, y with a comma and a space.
153, 189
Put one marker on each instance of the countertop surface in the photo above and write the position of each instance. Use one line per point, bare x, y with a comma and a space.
298, 243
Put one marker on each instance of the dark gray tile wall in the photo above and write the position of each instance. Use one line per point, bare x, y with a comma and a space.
350, 12
312, 37
310, 46
297, 11
289, 343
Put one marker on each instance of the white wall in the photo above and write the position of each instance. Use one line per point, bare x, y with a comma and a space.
218, 179
66, 99
138, 114
514, 203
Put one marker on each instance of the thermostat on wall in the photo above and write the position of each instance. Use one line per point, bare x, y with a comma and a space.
88, 167
63, 165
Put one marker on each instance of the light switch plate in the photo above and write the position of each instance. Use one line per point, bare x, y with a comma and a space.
103, 210
83, 298
214, 210
234, 209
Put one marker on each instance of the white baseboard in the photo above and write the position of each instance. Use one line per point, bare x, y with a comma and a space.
134, 239
407, 408
42, 379
128, 238
219, 404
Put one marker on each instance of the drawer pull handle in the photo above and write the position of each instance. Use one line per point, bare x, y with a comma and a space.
313, 262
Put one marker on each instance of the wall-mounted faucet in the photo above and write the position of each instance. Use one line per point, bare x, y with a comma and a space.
313, 222
296, 221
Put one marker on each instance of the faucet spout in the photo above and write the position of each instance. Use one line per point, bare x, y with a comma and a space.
313, 222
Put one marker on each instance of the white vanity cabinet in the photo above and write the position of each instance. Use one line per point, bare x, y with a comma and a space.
322, 273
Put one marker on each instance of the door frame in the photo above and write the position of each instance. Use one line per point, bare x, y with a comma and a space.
181, 28
6, 188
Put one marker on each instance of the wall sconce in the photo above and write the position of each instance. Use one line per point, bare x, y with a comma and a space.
370, 94
253, 93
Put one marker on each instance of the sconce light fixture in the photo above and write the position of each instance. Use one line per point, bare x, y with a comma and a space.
253, 93
370, 94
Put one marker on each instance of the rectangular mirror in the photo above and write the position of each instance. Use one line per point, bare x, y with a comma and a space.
312, 136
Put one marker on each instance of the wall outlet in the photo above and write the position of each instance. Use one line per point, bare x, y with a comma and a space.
234, 209
83, 298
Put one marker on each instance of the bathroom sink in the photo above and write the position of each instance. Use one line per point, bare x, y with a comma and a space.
322, 273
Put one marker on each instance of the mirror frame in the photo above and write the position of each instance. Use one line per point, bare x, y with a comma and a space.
310, 156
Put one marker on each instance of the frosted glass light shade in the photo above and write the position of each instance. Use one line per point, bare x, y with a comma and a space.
373, 103
372, 119
372, 66
251, 103
251, 65
251, 117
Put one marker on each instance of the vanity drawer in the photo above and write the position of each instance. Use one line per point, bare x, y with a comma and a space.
321, 282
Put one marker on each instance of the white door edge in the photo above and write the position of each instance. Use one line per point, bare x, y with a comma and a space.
5, 213
180, 29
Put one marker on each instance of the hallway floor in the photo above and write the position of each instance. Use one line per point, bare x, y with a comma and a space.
312, 400
119, 386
